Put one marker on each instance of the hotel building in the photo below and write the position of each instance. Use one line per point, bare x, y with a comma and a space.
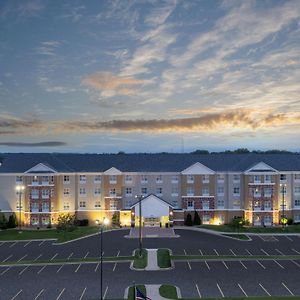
260, 187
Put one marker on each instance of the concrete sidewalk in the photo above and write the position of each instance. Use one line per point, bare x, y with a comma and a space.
152, 260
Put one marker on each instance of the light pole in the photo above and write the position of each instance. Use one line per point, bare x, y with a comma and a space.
283, 190
140, 224
105, 221
20, 189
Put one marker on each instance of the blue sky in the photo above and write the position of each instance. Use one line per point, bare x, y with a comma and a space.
149, 76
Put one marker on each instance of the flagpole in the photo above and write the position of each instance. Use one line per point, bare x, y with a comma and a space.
134, 291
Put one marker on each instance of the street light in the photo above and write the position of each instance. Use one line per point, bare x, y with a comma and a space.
140, 224
105, 222
20, 189
283, 190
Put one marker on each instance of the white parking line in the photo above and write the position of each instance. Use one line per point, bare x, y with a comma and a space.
295, 263
264, 290
12, 244
39, 294
105, 292
27, 244
59, 268
279, 252
5, 271
86, 255
207, 265
37, 257
189, 265
7, 258
232, 252
243, 264
248, 252
275, 261
295, 251
287, 289
60, 293
262, 250
261, 264
53, 256
41, 243
115, 265
222, 294
22, 258
216, 252
82, 293
20, 273
242, 290
70, 256
118, 253
201, 253
290, 239
16, 295
97, 267
42, 268
197, 288
225, 265
77, 268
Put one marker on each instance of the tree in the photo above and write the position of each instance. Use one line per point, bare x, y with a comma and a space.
115, 220
197, 220
12, 221
65, 222
188, 220
3, 221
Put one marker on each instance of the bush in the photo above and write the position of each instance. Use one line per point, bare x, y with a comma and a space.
84, 222
197, 220
188, 220
290, 221
12, 221
115, 219
3, 221
238, 222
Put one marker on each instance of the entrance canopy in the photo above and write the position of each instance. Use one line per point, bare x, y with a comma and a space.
152, 207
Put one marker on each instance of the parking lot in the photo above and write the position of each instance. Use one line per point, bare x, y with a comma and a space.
195, 279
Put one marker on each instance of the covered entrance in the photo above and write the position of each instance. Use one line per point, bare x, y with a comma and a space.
152, 222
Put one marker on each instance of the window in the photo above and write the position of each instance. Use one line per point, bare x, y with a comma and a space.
34, 194
113, 205
66, 192
174, 179
174, 191
45, 220
97, 191
18, 207
256, 179
206, 219
128, 192
66, 205
220, 177
297, 219
19, 179
159, 179
267, 205
236, 204
297, 202
82, 192
205, 191
297, 190
45, 179
128, 179
82, 178
268, 192
82, 204
66, 179
282, 177
112, 179
256, 205
45, 194
34, 207
97, 179
257, 193
144, 191
236, 191
112, 192
45, 207
190, 191
97, 204
190, 204
128, 203
220, 190
268, 220
205, 204
34, 221
205, 178
35, 180
220, 203
144, 179
175, 203
268, 178
236, 178
159, 191
297, 177
190, 179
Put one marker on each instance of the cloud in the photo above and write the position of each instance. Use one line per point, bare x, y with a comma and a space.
41, 144
48, 48
111, 85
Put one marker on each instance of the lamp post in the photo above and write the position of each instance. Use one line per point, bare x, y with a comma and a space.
283, 190
105, 221
20, 189
140, 224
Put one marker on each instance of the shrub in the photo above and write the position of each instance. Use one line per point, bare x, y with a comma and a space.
188, 220
84, 222
12, 221
197, 220
290, 221
115, 220
3, 221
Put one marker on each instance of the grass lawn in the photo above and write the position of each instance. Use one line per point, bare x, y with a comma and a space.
140, 262
168, 291
238, 236
13, 234
163, 258
279, 229
130, 291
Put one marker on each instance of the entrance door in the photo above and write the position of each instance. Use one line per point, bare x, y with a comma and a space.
152, 222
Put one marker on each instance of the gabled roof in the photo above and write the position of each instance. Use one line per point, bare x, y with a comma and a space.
197, 168
41, 168
260, 167
151, 196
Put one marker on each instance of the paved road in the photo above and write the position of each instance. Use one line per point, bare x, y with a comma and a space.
195, 279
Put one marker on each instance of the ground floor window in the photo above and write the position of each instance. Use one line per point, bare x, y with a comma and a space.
268, 220
297, 219
113, 205
257, 221
190, 204
34, 221
205, 204
82, 204
97, 204
66, 205
206, 219
45, 220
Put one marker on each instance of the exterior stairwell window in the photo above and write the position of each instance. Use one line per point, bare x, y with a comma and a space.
205, 205
190, 205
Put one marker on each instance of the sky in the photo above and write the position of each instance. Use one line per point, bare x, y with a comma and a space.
149, 76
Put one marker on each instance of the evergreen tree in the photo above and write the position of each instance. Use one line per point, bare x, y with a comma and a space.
12, 221
3, 221
197, 220
188, 220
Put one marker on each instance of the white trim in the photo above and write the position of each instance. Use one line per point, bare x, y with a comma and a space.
198, 169
112, 171
260, 166
40, 168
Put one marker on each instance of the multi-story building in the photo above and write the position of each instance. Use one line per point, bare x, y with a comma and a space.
261, 187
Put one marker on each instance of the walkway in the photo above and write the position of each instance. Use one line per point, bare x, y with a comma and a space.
152, 232
152, 260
